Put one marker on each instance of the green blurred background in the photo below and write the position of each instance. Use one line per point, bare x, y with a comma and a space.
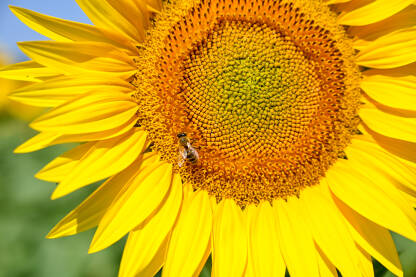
26, 211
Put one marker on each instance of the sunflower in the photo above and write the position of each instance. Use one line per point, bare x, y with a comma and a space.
269, 134
5, 85
15, 109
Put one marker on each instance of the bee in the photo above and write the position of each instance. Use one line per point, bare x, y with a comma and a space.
186, 151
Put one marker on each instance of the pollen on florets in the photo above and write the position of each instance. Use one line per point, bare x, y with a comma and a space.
265, 90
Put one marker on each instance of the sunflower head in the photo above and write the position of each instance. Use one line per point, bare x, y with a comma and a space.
267, 131
268, 94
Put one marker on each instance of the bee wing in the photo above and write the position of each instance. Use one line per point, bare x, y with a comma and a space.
193, 151
181, 155
196, 154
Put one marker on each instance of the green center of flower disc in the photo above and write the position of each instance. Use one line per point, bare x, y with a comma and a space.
250, 98
267, 94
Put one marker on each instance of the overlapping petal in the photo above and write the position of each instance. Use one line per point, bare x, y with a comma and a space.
373, 12
94, 112
154, 5
330, 232
27, 71
229, 240
65, 30
89, 213
90, 57
401, 148
390, 51
392, 87
60, 167
297, 245
372, 238
45, 139
104, 15
367, 197
132, 206
191, 237
373, 156
103, 159
326, 269
364, 35
149, 240
264, 245
59, 90
388, 124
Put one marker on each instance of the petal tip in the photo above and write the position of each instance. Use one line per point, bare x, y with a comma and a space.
93, 250
58, 193
96, 245
19, 150
13, 8
51, 234
40, 175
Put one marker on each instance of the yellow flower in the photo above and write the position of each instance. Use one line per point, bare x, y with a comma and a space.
5, 85
270, 134
13, 108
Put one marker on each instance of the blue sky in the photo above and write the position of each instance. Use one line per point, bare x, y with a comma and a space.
12, 30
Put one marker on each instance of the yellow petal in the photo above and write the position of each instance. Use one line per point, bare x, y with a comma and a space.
394, 88
365, 34
106, 67
330, 2
365, 263
377, 159
366, 197
92, 57
264, 246
390, 173
400, 148
65, 30
27, 71
204, 259
106, 16
104, 159
37, 142
155, 5
157, 262
373, 239
144, 242
135, 12
250, 213
326, 269
390, 51
93, 112
389, 125
296, 241
60, 167
410, 196
133, 205
57, 91
89, 213
373, 12
229, 245
46, 139
190, 237
330, 231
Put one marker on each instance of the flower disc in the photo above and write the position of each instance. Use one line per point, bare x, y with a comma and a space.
269, 102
